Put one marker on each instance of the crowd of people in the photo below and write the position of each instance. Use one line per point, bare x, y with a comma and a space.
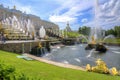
2, 38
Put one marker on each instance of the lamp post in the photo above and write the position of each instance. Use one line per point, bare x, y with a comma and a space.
23, 48
30, 46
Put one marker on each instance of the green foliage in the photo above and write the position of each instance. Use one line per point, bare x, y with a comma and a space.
84, 30
115, 31
72, 34
115, 41
20, 77
6, 71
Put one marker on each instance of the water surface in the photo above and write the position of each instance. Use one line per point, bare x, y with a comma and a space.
77, 55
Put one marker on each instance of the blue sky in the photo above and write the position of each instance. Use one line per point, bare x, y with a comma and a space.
77, 12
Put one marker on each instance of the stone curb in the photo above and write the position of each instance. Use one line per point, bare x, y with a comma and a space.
55, 63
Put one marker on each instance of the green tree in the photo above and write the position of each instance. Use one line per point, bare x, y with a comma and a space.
84, 30
115, 31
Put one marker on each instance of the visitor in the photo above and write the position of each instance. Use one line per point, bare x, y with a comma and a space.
3, 37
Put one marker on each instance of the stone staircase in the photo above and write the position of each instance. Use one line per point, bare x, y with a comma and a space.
15, 34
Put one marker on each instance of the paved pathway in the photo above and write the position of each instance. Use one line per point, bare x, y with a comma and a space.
20, 41
55, 63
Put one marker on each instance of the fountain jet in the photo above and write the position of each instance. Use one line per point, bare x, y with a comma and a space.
96, 33
18, 29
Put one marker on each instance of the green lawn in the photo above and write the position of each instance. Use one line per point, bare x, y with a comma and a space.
116, 41
50, 72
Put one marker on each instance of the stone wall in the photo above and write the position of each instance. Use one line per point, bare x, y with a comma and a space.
24, 47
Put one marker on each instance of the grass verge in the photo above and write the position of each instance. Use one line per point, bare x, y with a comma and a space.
49, 72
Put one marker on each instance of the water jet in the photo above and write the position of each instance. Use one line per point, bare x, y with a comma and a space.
96, 35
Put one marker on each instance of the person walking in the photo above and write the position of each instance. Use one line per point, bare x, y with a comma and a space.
3, 38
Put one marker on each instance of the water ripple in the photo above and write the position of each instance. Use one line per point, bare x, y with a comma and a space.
66, 62
117, 52
76, 59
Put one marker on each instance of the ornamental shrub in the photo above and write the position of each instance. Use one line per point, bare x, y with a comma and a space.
8, 72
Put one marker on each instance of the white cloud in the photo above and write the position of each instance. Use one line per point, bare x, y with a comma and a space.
26, 9
108, 12
73, 9
57, 18
108, 15
84, 20
20, 6
111, 10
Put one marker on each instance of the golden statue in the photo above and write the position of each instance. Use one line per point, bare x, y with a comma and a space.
1, 27
32, 34
93, 40
14, 7
40, 45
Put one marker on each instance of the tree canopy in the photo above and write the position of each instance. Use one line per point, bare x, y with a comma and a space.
114, 31
84, 30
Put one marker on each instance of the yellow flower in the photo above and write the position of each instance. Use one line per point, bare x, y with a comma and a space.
98, 61
93, 68
114, 71
101, 67
88, 67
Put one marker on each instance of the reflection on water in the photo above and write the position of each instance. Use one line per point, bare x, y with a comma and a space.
77, 55
117, 52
